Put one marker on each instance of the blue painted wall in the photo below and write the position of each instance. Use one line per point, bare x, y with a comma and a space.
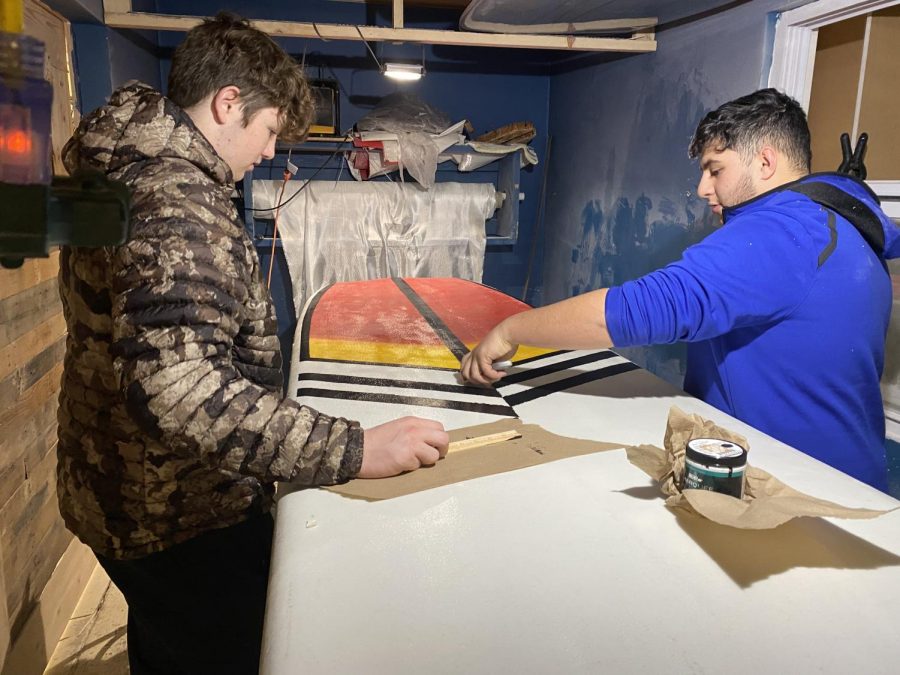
92, 67
134, 55
622, 198
85, 11
106, 58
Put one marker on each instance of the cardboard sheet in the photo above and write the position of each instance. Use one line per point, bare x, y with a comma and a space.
535, 446
767, 502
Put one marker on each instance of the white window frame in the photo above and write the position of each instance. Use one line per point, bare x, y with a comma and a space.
794, 54
889, 193
796, 33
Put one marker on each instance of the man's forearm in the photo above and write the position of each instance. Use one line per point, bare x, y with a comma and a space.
575, 323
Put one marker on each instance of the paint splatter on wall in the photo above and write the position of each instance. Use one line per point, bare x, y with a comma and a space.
654, 216
632, 240
622, 198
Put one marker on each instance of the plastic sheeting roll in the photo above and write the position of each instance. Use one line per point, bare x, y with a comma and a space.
349, 231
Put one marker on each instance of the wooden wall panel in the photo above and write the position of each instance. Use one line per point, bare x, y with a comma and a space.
33, 537
35, 435
31, 528
32, 344
20, 314
37, 638
54, 31
37, 270
881, 96
832, 100
29, 519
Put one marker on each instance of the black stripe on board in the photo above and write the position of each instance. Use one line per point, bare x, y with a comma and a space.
399, 384
569, 383
453, 343
532, 373
532, 359
502, 410
307, 319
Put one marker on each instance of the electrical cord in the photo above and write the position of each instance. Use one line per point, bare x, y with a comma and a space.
284, 182
539, 220
316, 28
281, 202
306, 182
366, 43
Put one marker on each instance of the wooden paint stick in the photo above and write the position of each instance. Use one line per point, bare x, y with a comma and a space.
478, 441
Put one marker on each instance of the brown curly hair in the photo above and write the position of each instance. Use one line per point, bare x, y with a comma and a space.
226, 51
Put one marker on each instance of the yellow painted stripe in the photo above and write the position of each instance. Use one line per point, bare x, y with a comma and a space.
432, 356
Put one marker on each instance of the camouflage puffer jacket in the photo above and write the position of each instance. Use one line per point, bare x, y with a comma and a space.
171, 419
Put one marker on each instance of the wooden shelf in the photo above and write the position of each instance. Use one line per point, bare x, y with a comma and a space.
507, 181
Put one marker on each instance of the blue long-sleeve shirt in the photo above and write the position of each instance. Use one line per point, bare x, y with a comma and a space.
784, 333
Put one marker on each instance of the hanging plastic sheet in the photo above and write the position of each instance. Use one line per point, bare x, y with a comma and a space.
349, 231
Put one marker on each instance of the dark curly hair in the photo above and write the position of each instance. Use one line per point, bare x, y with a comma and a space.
227, 50
744, 124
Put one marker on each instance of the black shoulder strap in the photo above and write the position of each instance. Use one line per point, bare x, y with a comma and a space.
849, 207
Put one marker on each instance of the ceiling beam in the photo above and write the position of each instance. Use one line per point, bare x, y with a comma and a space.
119, 14
120, 6
639, 43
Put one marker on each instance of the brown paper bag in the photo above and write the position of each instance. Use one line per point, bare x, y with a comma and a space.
767, 502
534, 446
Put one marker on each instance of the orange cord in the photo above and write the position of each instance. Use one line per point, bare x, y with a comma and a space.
287, 177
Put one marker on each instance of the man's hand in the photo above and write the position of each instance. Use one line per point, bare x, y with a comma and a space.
476, 365
402, 445
575, 323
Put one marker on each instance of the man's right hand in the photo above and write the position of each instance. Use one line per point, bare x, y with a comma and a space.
477, 366
402, 445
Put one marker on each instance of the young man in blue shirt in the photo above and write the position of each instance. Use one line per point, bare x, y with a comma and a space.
785, 307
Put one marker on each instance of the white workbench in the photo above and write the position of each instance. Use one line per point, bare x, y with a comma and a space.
576, 566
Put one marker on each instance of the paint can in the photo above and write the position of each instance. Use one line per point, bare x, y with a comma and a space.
716, 465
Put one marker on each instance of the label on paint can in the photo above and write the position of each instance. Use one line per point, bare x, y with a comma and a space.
715, 465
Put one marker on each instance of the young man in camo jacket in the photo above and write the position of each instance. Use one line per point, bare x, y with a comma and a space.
172, 425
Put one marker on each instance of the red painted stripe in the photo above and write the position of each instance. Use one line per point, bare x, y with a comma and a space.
470, 310
371, 311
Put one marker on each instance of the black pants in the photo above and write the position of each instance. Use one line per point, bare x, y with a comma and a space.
198, 607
